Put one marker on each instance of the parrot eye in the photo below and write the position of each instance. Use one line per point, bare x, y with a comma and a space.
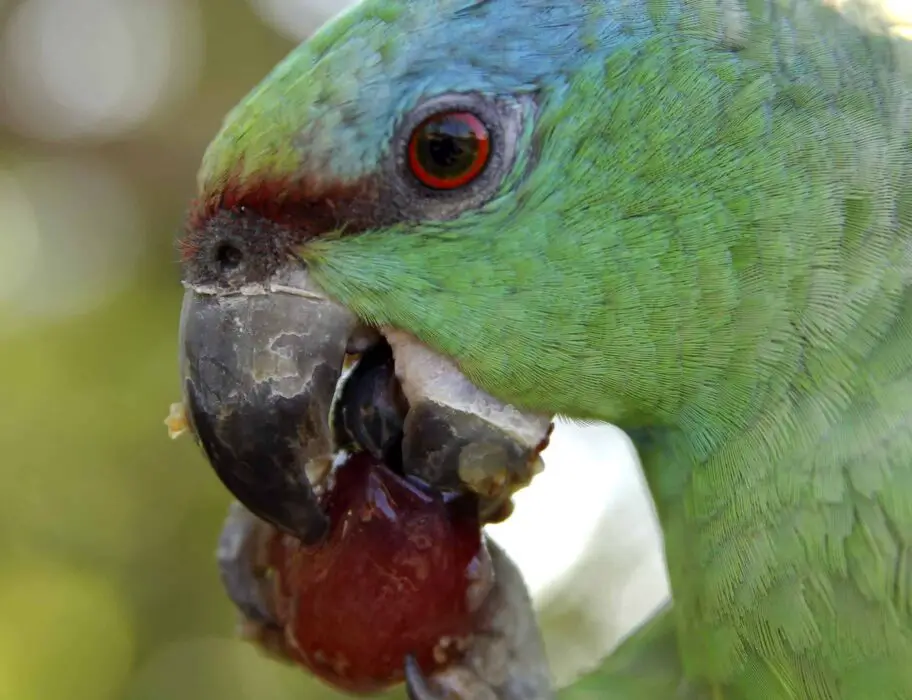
448, 150
450, 153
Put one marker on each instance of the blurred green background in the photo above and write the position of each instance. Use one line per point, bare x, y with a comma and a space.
108, 585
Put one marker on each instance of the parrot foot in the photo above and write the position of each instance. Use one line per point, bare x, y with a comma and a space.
505, 657
242, 569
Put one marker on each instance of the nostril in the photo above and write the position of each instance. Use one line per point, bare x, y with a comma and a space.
228, 256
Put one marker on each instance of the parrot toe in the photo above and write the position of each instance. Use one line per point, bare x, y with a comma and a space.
505, 657
417, 686
242, 566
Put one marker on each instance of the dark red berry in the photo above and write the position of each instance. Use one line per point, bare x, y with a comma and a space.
396, 576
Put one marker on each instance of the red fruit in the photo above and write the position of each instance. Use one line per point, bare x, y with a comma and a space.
396, 576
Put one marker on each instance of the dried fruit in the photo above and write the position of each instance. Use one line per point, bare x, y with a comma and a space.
177, 422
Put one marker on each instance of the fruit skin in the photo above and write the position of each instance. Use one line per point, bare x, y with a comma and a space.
397, 575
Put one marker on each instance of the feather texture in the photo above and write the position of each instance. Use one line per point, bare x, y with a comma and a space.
705, 239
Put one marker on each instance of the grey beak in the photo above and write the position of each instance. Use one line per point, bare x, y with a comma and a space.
259, 371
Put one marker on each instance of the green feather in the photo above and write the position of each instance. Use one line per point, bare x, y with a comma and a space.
707, 240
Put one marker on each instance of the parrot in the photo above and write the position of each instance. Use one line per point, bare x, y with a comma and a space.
691, 219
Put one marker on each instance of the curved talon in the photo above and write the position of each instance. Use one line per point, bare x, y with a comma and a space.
417, 686
505, 659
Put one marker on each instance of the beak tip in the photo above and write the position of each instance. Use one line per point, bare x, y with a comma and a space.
258, 463
259, 374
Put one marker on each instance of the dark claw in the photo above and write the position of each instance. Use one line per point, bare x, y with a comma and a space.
416, 685
259, 373
505, 659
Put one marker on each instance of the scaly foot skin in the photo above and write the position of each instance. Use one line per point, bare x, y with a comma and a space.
504, 658
241, 557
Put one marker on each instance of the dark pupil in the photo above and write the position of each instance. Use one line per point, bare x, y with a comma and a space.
448, 147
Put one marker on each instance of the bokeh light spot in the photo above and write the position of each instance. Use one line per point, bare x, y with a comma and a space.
297, 19
19, 242
78, 227
211, 667
65, 635
559, 512
95, 68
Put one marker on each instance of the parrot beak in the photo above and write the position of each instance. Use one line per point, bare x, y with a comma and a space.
259, 368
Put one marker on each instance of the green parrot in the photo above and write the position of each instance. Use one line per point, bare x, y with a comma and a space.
688, 218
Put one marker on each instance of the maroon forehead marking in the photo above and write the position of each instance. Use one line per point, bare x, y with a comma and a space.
306, 208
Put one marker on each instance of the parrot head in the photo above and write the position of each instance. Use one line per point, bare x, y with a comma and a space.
533, 189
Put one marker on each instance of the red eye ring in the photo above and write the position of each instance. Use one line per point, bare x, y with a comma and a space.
448, 150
